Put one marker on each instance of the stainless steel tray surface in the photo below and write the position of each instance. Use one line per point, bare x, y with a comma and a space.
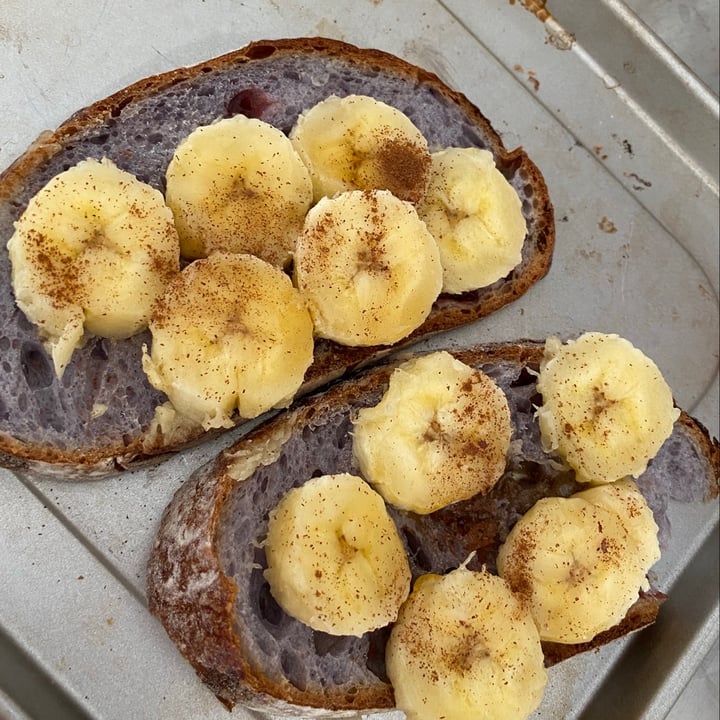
626, 136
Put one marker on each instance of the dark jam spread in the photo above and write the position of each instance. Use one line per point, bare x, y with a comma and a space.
251, 102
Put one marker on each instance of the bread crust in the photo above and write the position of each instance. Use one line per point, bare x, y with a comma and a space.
119, 448
204, 623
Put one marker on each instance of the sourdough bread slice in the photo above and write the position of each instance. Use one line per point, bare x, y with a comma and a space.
98, 417
205, 575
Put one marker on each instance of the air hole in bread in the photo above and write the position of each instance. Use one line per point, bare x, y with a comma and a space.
376, 653
99, 139
115, 112
206, 91
525, 378
335, 645
4, 412
473, 139
417, 555
36, 366
343, 433
260, 51
100, 350
23, 324
270, 611
294, 669
264, 479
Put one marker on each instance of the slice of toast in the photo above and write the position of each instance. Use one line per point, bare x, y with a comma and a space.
205, 575
98, 417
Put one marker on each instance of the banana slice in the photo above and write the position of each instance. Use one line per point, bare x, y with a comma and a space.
360, 143
230, 332
368, 267
475, 216
606, 407
92, 252
625, 499
238, 186
581, 561
439, 434
335, 559
465, 647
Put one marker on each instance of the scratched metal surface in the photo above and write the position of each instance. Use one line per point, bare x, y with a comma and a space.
626, 135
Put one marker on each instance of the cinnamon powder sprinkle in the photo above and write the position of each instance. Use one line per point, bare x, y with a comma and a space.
405, 168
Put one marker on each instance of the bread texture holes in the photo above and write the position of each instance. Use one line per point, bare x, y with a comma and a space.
326, 644
416, 551
260, 51
269, 609
294, 669
36, 366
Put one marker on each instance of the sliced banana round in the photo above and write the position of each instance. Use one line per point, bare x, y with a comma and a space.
606, 406
475, 216
580, 562
231, 333
238, 186
360, 143
335, 559
439, 434
368, 267
465, 647
92, 252
625, 499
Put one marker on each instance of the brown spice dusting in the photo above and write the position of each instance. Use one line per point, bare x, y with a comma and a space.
372, 258
60, 274
517, 564
469, 651
610, 551
404, 167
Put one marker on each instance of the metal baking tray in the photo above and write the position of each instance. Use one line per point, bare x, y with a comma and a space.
626, 136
